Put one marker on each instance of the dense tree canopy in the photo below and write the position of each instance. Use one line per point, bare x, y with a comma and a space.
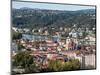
57, 65
23, 59
34, 18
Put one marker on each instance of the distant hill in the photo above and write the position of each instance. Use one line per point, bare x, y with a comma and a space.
36, 18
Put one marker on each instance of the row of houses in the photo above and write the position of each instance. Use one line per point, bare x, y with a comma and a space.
60, 44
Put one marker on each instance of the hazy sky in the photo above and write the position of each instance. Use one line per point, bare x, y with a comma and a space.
18, 5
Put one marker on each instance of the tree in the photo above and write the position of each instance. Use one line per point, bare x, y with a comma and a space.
20, 46
55, 65
26, 61
75, 64
32, 69
16, 35
23, 59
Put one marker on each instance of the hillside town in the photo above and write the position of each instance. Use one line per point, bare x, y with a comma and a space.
52, 37
78, 44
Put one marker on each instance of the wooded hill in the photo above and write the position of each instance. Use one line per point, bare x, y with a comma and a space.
37, 18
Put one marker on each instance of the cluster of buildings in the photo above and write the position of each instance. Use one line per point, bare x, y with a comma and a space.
73, 31
56, 47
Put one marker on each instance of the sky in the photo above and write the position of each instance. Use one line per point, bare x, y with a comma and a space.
18, 5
